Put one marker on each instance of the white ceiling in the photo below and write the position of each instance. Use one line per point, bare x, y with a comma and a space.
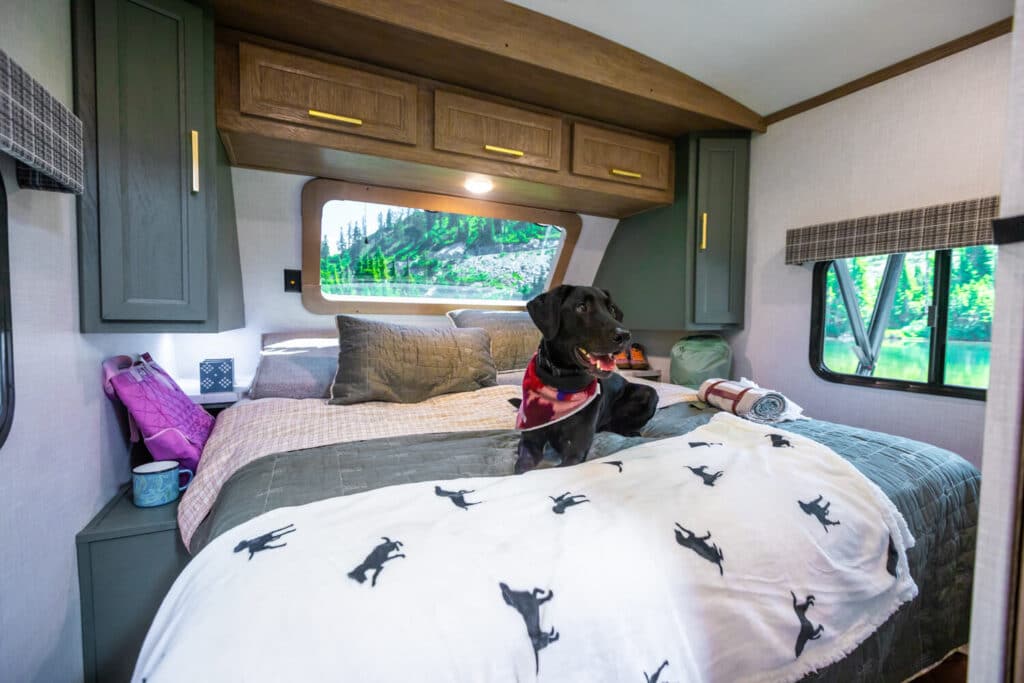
769, 54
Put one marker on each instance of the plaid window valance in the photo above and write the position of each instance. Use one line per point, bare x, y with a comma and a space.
944, 226
43, 135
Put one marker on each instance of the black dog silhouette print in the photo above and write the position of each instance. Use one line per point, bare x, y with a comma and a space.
457, 497
567, 500
779, 441
261, 543
615, 463
528, 603
814, 508
702, 472
892, 558
376, 559
808, 631
654, 678
708, 444
699, 544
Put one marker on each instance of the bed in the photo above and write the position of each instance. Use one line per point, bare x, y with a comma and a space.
272, 454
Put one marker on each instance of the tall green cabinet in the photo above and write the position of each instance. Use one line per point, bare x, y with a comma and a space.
683, 267
158, 243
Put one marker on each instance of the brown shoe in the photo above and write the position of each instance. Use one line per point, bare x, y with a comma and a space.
622, 360
638, 357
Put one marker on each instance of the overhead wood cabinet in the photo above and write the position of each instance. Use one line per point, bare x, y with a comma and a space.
693, 253
621, 157
292, 88
480, 128
158, 244
285, 107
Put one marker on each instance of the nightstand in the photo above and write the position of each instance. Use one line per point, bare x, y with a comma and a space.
128, 557
651, 374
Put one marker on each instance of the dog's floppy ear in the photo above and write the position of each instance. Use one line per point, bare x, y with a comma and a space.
612, 308
546, 310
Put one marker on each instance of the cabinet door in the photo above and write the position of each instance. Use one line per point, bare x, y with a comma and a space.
129, 578
468, 125
721, 234
150, 113
297, 89
621, 157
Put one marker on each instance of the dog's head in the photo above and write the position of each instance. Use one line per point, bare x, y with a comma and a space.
581, 325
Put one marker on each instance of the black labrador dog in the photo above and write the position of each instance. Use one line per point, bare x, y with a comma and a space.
582, 331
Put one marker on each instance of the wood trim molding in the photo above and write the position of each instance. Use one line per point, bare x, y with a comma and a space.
978, 37
320, 190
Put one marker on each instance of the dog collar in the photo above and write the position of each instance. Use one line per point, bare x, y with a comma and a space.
544, 404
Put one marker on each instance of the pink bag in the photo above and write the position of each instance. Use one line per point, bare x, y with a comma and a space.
172, 426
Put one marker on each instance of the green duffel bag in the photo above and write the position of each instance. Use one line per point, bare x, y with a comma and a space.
695, 359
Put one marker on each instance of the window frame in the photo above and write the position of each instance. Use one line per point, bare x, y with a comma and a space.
6, 335
937, 345
319, 191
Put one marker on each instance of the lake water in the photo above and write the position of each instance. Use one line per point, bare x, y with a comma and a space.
967, 363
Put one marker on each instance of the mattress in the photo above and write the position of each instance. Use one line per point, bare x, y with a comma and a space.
934, 489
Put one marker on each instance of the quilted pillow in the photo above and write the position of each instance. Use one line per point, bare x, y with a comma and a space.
380, 361
514, 337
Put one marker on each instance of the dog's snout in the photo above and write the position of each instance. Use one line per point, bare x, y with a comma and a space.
620, 336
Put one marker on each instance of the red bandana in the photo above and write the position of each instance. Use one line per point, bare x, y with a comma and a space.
543, 405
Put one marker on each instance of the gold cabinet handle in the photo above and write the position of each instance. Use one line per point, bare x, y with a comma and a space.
504, 150
195, 161
335, 117
704, 231
626, 174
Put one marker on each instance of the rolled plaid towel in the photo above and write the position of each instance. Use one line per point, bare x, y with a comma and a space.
750, 402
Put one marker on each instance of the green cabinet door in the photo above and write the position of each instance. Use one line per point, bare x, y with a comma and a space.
720, 234
150, 104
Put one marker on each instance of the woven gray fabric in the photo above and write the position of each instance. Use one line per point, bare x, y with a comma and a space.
384, 362
514, 337
944, 226
38, 131
296, 365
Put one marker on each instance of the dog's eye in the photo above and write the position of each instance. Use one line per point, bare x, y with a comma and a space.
582, 307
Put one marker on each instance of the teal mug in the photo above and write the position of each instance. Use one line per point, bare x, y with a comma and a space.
156, 483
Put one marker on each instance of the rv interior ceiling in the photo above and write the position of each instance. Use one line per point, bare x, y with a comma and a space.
473, 340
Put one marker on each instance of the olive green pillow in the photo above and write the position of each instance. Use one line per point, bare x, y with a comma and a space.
514, 336
380, 361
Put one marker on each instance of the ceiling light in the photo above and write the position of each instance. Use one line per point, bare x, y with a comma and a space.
478, 185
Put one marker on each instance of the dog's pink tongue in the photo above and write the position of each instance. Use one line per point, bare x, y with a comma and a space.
605, 362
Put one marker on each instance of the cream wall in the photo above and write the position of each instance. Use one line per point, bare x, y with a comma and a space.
930, 136
65, 456
996, 588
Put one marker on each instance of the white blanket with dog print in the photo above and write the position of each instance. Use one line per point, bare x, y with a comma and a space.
737, 552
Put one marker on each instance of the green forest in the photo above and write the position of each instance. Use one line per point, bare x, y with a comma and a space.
971, 290
413, 252
906, 346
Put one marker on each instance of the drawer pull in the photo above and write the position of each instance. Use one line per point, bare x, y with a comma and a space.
335, 117
504, 150
626, 174
195, 161
704, 231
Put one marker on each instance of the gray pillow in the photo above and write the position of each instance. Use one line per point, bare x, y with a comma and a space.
514, 337
384, 362
296, 365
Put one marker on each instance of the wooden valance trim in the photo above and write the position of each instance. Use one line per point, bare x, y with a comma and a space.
943, 226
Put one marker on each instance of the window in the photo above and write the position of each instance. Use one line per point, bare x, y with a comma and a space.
6, 349
916, 322
376, 250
